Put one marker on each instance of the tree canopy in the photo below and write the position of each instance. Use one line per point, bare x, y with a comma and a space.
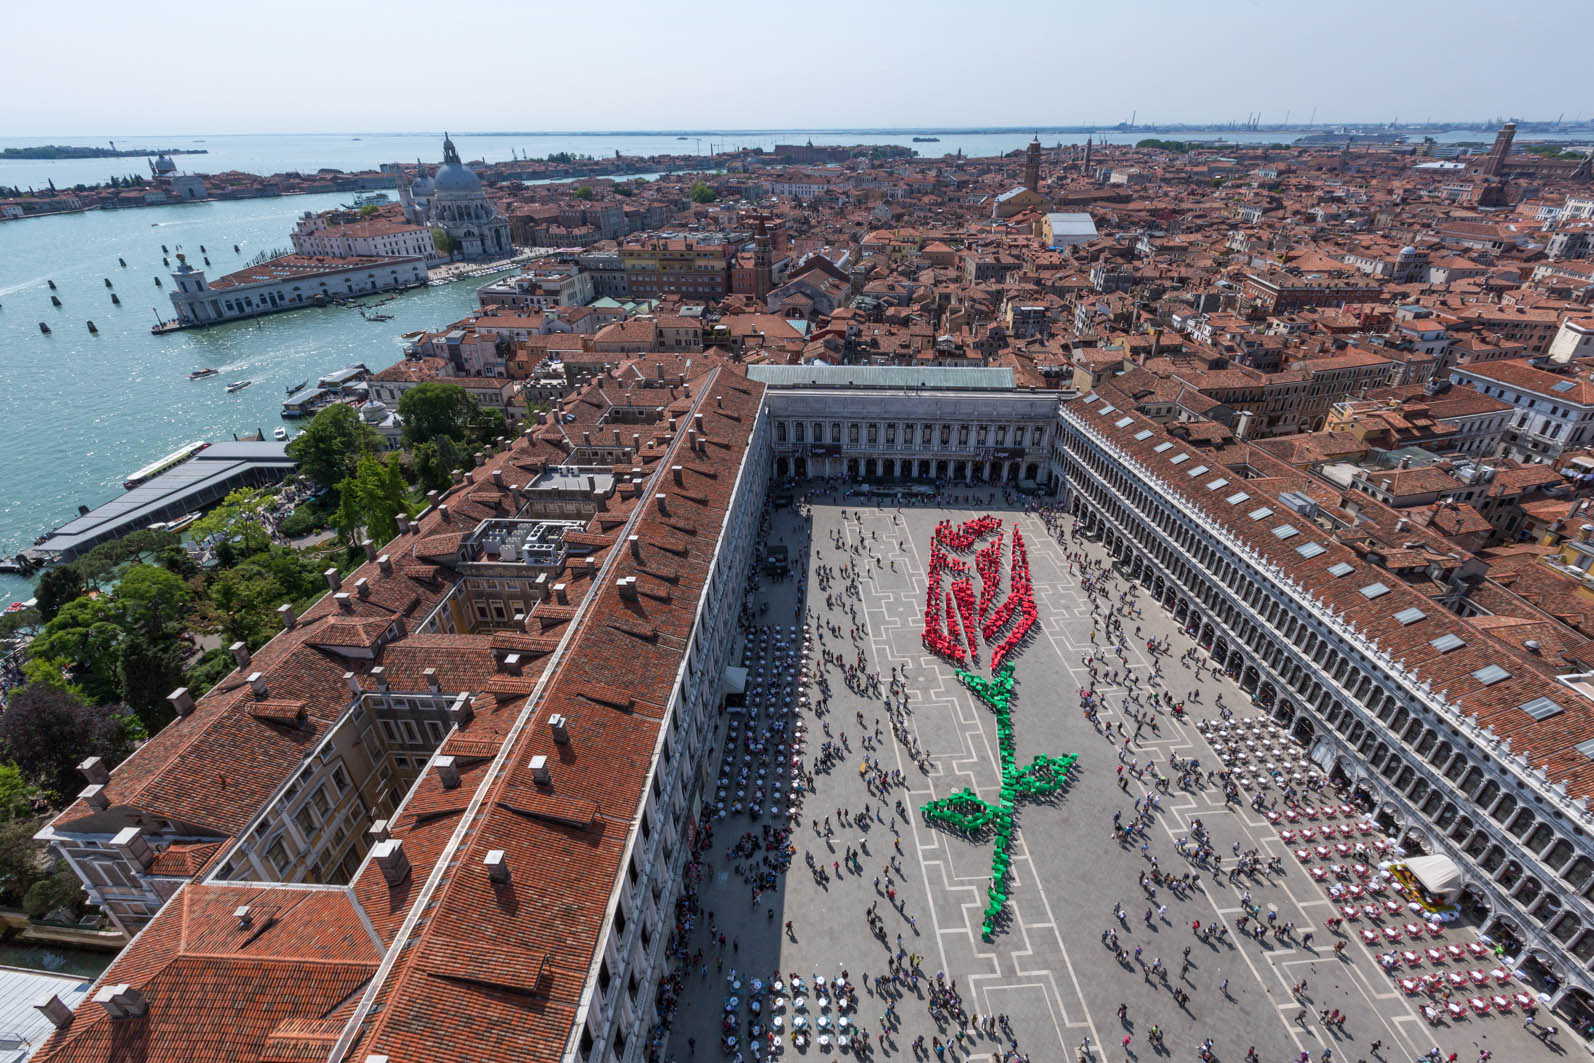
46, 732
433, 409
701, 192
330, 446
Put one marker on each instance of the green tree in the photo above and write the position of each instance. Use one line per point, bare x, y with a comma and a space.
55, 588
208, 671
83, 637
235, 524
379, 494
489, 424
20, 863
445, 244
430, 473
17, 794
331, 444
154, 604
583, 193
701, 192
435, 409
52, 893
243, 600
104, 563
46, 732
369, 210
145, 675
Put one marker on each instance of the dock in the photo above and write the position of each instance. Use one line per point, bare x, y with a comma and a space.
202, 480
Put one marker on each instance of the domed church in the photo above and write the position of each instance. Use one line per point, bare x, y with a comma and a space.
452, 200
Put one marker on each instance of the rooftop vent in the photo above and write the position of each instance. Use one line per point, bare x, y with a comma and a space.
379, 831
334, 580
241, 913
385, 563
182, 701
447, 772
257, 683
285, 611
121, 1001
497, 866
240, 654
94, 796
94, 770
561, 732
54, 1009
345, 603
539, 770
389, 856
362, 587
432, 682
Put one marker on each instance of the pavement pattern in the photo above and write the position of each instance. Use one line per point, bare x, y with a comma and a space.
1046, 969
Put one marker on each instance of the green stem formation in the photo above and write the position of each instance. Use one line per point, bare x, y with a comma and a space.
968, 813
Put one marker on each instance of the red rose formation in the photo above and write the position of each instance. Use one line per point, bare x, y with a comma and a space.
954, 623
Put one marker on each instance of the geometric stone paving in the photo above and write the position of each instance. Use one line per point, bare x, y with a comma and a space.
1046, 967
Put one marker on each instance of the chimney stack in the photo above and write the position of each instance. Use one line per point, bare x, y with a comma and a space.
627, 587
497, 866
121, 1001
561, 732
182, 701
663, 503
512, 663
345, 603
679, 472
379, 831
240, 654
370, 549
379, 674
447, 773
539, 770
403, 520
498, 477
362, 587
352, 681
432, 498
559, 594
389, 856
285, 611
385, 563
461, 710
241, 913
94, 770
1584, 532
432, 683
129, 841
334, 581
443, 511
94, 797
697, 422
257, 683
53, 1008
481, 458
636, 546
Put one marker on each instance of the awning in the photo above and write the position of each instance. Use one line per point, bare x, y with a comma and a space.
1439, 875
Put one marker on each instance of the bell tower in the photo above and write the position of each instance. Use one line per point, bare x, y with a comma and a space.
1032, 165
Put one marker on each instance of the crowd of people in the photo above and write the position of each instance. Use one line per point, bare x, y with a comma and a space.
850, 710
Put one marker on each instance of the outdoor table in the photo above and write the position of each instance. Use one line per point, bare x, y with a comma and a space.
1456, 952
1391, 934
1392, 907
1350, 911
1456, 979
824, 1040
1322, 852
1434, 956
776, 1022
801, 1003
1501, 975
822, 1022
842, 1043
1430, 1013
731, 1003
1303, 855
1410, 987
1479, 1005
1413, 929
1478, 977
842, 1022
1523, 1000
1287, 836
1370, 937
1309, 834
1477, 948
799, 1022
1456, 1010
1319, 874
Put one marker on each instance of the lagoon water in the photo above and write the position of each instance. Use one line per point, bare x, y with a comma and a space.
79, 412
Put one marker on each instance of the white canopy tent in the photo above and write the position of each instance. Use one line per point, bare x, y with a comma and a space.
1439, 875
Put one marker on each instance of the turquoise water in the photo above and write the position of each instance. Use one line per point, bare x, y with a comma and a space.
79, 412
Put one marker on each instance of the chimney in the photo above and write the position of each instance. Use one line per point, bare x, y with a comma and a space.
447, 773
370, 549
345, 603
559, 594
586, 439
497, 866
240, 654
512, 663
719, 402
498, 477
182, 701
461, 710
94, 770
129, 841
94, 796
443, 511
539, 770
691, 439
636, 442
697, 422
379, 674
362, 587
257, 683
663, 502
617, 438
636, 546
481, 458
1584, 532
352, 681
403, 520
432, 683
241, 913
385, 563
334, 581
561, 732
627, 587
378, 831
285, 611
679, 473
1402, 524
53, 1008
432, 498
121, 1001
389, 856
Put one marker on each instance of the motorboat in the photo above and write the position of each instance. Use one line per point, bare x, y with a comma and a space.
239, 385
280, 434
294, 389
199, 373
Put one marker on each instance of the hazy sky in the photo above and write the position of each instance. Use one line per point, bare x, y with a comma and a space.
118, 68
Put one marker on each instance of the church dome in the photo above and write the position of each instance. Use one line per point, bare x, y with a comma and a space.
454, 178
165, 165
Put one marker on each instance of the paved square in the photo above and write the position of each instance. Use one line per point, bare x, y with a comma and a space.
1047, 968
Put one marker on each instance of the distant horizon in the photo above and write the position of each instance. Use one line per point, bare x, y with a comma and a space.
1218, 127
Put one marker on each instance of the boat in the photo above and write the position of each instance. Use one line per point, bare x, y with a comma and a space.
294, 389
366, 199
197, 373
927, 140
160, 465
279, 433
238, 385
175, 525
